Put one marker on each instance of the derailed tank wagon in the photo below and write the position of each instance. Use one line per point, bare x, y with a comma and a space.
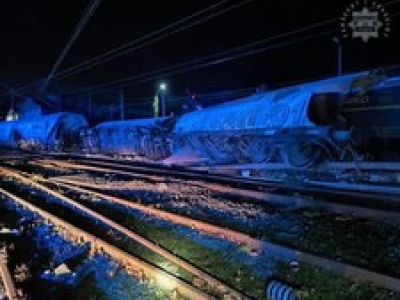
374, 111
300, 125
52, 132
142, 137
346, 118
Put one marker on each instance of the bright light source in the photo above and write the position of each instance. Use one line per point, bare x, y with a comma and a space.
163, 86
165, 282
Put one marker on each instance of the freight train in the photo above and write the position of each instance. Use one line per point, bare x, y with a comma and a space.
53, 132
349, 117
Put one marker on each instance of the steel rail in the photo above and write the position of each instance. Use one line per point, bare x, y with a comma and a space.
212, 282
342, 269
267, 196
250, 184
127, 260
6, 278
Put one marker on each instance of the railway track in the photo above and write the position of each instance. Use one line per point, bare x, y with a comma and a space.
213, 286
256, 245
221, 172
217, 173
131, 263
313, 188
376, 203
327, 190
6, 278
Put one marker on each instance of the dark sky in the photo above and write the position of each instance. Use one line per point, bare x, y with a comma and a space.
33, 33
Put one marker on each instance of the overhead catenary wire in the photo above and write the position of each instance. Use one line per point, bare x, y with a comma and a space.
302, 29
195, 64
202, 62
279, 36
226, 52
135, 44
145, 40
81, 25
204, 96
389, 3
13, 93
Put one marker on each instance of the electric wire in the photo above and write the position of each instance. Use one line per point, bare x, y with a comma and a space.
126, 48
151, 75
302, 29
79, 28
135, 44
199, 63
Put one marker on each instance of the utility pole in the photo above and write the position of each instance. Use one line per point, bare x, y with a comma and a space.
156, 106
122, 104
163, 104
162, 91
12, 99
59, 103
338, 44
81, 25
89, 95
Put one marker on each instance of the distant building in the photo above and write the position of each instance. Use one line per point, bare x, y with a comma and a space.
11, 115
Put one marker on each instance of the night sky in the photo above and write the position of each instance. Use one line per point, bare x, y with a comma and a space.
33, 34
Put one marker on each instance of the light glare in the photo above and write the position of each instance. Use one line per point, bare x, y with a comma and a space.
163, 86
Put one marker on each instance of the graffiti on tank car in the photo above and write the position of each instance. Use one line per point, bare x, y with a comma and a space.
250, 119
282, 114
364, 84
284, 94
275, 117
375, 77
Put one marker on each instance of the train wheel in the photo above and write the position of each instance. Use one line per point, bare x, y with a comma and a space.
305, 154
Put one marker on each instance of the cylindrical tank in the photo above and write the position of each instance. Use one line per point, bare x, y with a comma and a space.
267, 126
50, 131
143, 137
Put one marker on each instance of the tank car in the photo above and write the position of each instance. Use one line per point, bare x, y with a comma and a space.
140, 137
372, 108
301, 125
48, 132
